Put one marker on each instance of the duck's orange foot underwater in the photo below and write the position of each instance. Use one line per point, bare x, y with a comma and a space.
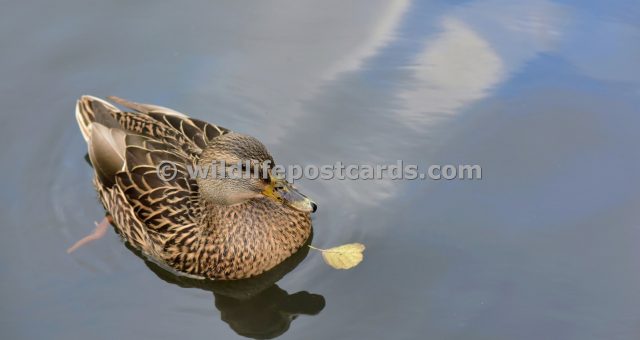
98, 233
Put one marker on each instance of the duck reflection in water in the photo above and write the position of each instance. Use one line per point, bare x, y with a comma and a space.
255, 307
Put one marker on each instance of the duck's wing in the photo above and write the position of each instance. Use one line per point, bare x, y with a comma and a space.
156, 181
192, 135
198, 131
147, 172
163, 196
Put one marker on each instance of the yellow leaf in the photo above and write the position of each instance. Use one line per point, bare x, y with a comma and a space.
345, 256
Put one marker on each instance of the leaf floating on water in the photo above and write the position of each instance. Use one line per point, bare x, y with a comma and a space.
345, 256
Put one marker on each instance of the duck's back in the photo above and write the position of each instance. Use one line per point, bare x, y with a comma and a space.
127, 151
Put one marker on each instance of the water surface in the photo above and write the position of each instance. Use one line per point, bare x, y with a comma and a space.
544, 95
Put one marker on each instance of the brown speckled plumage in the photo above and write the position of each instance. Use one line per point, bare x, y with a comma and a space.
169, 220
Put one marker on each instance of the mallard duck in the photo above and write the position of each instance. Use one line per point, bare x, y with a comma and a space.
213, 227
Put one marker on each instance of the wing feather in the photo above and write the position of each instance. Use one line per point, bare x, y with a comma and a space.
197, 131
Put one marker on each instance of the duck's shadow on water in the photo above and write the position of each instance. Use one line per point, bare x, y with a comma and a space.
256, 307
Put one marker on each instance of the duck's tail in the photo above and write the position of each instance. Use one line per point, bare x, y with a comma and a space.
87, 109
104, 136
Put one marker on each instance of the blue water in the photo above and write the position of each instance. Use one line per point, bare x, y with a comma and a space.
544, 95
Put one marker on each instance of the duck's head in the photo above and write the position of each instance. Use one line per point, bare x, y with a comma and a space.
239, 169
